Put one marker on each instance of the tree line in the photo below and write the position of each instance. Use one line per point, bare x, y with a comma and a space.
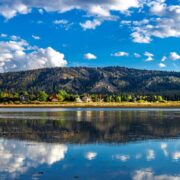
63, 96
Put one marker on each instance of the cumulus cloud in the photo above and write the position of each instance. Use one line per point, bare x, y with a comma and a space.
41, 11
15, 38
90, 24
174, 56
16, 54
89, 56
140, 36
164, 58
137, 55
163, 20
9, 8
90, 155
157, 7
63, 23
164, 23
139, 33
149, 56
36, 37
162, 65
3, 35
120, 54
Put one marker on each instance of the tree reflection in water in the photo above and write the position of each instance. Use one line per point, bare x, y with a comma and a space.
90, 126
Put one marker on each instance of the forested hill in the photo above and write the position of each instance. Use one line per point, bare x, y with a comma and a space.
92, 80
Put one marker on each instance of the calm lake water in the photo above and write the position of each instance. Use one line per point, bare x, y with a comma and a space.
90, 144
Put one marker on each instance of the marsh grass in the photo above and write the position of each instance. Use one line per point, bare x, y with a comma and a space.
168, 104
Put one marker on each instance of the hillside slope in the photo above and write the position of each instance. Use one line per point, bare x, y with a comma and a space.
92, 80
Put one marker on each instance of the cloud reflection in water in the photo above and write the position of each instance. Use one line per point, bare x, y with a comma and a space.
17, 157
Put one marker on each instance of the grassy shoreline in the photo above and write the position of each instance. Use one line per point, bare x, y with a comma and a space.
170, 104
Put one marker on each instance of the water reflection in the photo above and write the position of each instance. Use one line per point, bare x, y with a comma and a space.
79, 144
148, 174
90, 126
138, 161
16, 157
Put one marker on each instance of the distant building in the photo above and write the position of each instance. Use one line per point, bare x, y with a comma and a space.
24, 98
86, 99
78, 100
53, 99
101, 100
134, 99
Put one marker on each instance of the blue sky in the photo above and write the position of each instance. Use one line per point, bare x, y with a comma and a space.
140, 34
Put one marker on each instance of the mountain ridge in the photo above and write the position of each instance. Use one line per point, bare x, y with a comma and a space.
98, 80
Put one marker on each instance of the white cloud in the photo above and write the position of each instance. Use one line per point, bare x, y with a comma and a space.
102, 9
90, 24
63, 23
164, 22
89, 56
149, 56
41, 11
3, 35
140, 36
164, 58
36, 37
162, 65
120, 54
17, 54
158, 7
174, 56
14, 38
140, 33
166, 27
136, 55
9, 9
90, 155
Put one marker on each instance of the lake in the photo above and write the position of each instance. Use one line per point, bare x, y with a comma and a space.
89, 143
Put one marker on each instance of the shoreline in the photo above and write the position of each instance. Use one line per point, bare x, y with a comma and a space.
174, 104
